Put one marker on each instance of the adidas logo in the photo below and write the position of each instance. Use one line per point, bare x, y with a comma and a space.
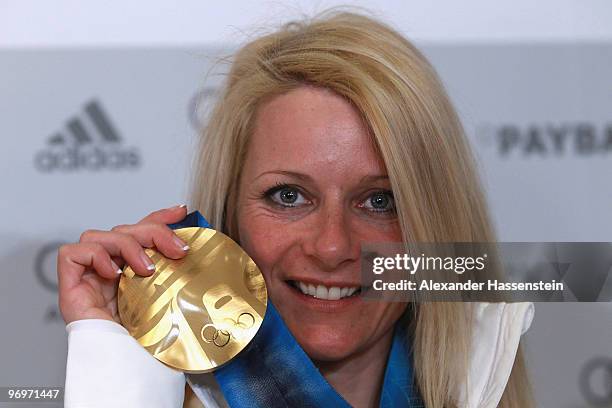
91, 143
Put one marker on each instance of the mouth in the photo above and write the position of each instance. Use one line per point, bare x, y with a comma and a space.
325, 292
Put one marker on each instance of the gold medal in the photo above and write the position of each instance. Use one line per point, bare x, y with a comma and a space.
196, 313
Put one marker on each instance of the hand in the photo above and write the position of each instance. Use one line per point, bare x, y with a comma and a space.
88, 271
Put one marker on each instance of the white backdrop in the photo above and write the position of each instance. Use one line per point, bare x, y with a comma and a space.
74, 68
155, 22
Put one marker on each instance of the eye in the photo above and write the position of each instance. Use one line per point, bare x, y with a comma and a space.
286, 196
380, 201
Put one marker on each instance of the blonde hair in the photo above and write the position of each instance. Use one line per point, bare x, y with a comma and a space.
417, 133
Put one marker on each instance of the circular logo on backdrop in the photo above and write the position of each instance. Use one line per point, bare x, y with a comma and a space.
596, 381
198, 105
45, 265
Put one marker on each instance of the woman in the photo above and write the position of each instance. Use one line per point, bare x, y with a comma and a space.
328, 133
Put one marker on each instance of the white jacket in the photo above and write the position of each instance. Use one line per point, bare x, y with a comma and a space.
106, 367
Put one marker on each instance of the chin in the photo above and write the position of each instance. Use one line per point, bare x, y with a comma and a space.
325, 343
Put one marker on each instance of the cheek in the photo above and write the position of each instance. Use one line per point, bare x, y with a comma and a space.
264, 241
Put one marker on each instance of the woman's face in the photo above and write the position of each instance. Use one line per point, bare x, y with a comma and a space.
313, 189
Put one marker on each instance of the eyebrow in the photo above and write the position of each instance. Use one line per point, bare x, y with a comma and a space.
367, 179
305, 177
299, 176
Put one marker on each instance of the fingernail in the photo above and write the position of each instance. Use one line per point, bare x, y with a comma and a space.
181, 206
116, 268
147, 261
179, 242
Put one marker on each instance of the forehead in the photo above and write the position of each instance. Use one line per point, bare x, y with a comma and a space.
312, 128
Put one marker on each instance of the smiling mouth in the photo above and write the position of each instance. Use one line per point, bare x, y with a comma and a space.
325, 292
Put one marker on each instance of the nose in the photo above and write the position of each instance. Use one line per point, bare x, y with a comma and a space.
331, 242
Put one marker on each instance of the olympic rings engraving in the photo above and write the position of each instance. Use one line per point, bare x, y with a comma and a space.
221, 337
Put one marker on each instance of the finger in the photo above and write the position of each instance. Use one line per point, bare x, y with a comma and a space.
124, 245
119, 261
74, 259
159, 236
166, 215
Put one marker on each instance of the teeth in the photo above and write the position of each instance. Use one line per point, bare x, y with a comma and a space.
324, 292
333, 293
321, 292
